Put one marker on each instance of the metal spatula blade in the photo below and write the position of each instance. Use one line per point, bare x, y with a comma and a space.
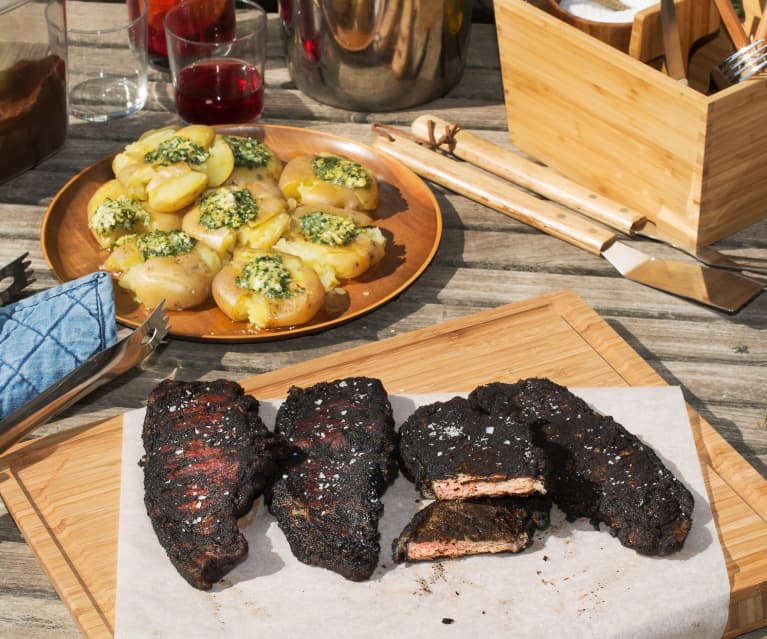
703, 284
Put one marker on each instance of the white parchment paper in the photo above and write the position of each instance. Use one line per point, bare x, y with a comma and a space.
573, 580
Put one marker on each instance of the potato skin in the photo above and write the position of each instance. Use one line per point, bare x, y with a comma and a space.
171, 188
344, 262
111, 190
183, 281
299, 183
262, 312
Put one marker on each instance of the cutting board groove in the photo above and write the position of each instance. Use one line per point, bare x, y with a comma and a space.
63, 490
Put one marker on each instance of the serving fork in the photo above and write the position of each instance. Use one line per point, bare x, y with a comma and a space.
21, 277
101, 368
750, 57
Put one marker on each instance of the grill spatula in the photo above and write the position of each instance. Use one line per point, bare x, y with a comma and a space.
555, 186
724, 290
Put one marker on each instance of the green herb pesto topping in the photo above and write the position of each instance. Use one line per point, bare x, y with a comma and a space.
121, 214
266, 274
341, 171
329, 229
229, 206
177, 149
249, 152
165, 244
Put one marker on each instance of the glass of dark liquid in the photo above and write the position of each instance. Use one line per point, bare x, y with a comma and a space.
217, 72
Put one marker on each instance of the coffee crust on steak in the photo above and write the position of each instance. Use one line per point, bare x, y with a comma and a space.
451, 450
327, 500
449, 529
208, 456
600, 470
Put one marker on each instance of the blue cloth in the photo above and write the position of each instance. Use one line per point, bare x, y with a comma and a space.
48, 335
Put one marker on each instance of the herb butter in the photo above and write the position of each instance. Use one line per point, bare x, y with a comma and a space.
120, 214
227, 206
267, 275
340, 171
249, 152
165, 244
177, 149
328, 229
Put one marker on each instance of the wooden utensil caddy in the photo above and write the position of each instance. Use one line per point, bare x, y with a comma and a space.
692, 163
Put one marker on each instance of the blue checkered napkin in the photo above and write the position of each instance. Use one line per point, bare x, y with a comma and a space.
48, 335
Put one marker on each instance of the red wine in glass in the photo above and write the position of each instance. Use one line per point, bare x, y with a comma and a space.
219, 91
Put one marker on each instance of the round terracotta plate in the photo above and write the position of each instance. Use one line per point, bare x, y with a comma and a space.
408, 215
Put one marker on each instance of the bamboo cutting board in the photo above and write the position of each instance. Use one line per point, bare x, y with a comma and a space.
63, 490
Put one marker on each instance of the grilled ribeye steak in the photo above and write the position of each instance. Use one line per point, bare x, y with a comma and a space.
601, 471
451, 450
455, 528
207, 457
327, 500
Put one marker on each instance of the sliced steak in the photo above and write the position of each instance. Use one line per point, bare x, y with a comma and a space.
207, 457
601, 471
447, 529
451, 450
328, 499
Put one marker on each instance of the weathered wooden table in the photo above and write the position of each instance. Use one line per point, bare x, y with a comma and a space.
485, 260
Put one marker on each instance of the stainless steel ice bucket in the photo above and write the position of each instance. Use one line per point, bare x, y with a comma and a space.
376, 55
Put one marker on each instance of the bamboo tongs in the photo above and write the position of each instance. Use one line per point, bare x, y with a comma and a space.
721, 289
540, 179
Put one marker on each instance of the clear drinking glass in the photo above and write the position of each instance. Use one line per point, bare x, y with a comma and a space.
217, 73
107, 70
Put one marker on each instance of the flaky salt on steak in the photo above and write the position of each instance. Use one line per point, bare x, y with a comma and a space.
328, 499
207, 457
448, 529
451, 450
600, 470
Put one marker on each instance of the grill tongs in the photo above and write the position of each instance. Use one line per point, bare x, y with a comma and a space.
94, 372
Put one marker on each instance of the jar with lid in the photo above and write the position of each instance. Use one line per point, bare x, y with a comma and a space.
33, 96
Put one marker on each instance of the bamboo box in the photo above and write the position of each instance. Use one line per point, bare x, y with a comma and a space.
692, 163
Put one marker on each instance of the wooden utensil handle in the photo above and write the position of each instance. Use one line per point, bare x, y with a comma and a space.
732, 23
497, 194
761, 29
537, 178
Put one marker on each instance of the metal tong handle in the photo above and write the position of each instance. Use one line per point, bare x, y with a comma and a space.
94, 372
21, 276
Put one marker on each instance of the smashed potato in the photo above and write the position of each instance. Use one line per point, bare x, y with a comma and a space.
329, 180
171, 167
268, 289
336, 242
230, 215
170, 266
112, 214
253, 161
192, 214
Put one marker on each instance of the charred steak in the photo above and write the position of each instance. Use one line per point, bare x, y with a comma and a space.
451, 450
601, 471
327, 501
207, 457
447, 529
